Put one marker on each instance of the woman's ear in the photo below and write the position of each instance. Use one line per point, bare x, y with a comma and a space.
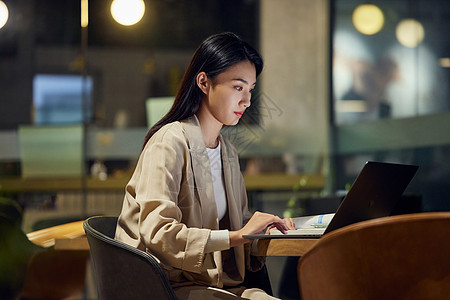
202, 82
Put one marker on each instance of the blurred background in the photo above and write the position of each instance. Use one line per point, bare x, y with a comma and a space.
344, 82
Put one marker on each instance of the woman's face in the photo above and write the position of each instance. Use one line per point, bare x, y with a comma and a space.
229, 94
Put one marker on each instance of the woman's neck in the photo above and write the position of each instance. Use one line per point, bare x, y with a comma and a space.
210, 128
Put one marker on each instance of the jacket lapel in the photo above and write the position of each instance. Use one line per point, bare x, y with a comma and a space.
201, 171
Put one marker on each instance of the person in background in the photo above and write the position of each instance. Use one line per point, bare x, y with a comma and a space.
186, 202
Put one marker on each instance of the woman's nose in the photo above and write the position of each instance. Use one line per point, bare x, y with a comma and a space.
246, 100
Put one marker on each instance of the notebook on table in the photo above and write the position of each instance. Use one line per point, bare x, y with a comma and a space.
374, 194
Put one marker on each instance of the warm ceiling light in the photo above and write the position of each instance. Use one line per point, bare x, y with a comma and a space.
3, 14
368, 19
84, 13
127, 12
410, 33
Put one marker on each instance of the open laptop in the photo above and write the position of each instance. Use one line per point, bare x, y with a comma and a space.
374, 194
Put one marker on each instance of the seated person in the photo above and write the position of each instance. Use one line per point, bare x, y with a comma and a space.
186, 202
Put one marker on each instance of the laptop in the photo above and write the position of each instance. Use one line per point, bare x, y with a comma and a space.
374, 194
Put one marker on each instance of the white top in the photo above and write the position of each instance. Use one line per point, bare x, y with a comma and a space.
218, 239
215, 161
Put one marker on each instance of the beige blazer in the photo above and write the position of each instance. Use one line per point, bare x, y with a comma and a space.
169, 208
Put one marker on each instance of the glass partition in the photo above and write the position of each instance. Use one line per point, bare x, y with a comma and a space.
391, 91
390, 59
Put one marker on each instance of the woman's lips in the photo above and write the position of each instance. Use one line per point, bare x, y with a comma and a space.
239, 113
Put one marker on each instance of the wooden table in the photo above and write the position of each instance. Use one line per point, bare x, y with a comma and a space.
275, 247
70, 236
285, 247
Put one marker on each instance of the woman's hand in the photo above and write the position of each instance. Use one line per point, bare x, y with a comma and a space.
289, 223
257, 223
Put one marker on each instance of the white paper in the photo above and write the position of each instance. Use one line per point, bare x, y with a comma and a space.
308, 225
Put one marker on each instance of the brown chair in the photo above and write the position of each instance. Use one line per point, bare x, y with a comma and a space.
398, 257
29, 271
55, 274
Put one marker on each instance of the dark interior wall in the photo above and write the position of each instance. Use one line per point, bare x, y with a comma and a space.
128, 64
16, 65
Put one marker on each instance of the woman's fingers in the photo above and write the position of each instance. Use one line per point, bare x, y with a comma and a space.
290, 223
270, 227
281, 226
259, 221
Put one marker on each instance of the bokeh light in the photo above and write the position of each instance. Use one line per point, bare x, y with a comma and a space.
127, 12
368, 19
410, 33
4, 14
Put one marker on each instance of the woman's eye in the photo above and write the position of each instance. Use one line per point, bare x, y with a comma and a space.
239, 88
251, 91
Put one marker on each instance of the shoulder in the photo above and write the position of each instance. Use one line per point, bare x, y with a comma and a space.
168, 139
186, 131
169, 133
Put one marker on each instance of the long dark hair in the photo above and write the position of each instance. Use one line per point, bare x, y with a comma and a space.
214, 55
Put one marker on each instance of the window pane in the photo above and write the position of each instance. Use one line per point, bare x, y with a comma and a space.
389, 59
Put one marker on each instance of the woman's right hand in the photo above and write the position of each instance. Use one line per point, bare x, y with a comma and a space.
257, 223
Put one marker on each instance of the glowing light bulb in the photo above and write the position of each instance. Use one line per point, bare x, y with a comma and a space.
127, 12
4, 14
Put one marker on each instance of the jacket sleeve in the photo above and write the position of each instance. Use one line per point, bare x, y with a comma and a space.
157, 190
253, 263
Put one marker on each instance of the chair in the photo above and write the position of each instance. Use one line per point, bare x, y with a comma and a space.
122, 271
15, 252
55, 274
31, 271
288, 287
397, 257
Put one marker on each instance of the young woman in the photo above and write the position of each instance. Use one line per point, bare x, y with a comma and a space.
186, 202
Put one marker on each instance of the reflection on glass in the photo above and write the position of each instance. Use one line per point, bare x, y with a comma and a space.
410, 33
355, 106
368, 19
444, 62
375, 77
